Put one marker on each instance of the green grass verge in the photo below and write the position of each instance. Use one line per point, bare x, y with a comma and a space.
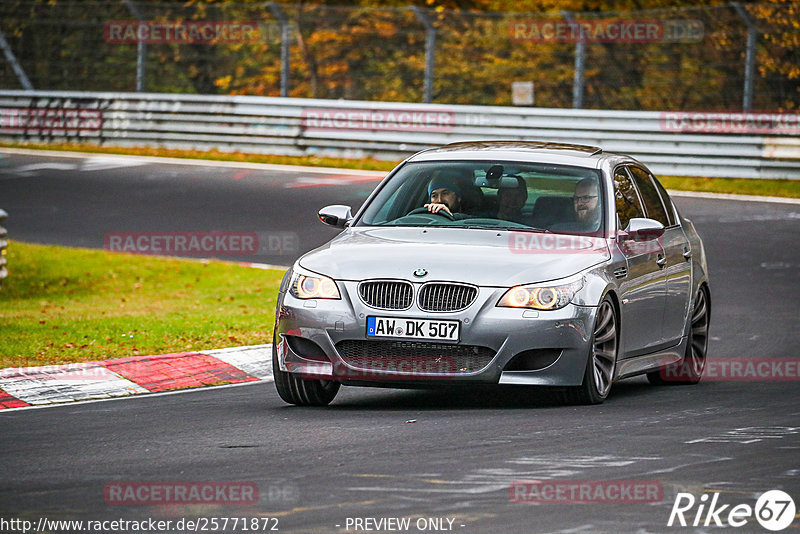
741, 186
311, 161
63, 305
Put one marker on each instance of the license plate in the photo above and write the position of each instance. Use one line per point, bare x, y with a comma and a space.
428, 329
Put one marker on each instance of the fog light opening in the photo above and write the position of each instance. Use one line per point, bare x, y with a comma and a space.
307, 349
533, 360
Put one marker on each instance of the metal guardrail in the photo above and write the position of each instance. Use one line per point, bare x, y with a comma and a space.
670, 143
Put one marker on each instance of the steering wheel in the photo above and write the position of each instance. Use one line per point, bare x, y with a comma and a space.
443, 213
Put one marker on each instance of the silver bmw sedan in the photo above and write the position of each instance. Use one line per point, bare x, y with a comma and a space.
507, 262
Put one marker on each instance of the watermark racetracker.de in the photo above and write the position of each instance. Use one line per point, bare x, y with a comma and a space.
181, 32
410, 368
765, 122
77, 372
612, 30
180, 493
738, 370
203, 243
586, 492
405, 120
142, 493
44, 120
588, 243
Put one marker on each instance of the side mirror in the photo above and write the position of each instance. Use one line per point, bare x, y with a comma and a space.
642, 229
336, 215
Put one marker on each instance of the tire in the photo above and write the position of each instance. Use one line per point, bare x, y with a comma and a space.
601, 363
299, 391
690, 369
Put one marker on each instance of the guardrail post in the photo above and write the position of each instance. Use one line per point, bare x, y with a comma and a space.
285, 41
141, 50
580, 55
750, 56
430, 48
12, 59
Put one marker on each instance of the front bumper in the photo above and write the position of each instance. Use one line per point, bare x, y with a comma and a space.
500, 333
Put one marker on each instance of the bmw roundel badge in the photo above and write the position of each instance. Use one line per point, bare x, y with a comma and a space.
419, 273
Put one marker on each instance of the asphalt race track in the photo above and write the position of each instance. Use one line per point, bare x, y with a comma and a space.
321, 470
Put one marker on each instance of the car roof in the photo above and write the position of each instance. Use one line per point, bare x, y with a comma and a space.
533, 151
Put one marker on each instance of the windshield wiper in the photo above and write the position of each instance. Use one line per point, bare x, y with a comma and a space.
470, 227
522, 229
512, 228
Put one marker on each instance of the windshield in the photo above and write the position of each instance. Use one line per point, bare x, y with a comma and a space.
492, 195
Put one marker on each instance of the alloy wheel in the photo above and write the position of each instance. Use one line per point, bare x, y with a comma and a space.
604, 348
698, 338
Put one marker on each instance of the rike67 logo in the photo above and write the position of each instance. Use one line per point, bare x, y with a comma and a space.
774, 510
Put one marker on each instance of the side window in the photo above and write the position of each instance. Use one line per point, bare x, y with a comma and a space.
650, 197
666, 201
625, 197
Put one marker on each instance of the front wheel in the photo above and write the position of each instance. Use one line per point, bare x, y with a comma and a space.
602, 361
299, 391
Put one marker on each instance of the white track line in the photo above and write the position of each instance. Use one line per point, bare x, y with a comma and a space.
738, 198
196, 162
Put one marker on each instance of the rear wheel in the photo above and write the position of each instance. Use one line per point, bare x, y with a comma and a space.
690, 369
602, 361
299, 391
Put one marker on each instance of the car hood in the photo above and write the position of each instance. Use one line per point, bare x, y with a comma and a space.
481, 257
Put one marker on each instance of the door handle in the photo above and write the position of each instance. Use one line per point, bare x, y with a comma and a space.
661, 261
687, 253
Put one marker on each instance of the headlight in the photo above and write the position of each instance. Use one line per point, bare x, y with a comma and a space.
307, 285
540, 297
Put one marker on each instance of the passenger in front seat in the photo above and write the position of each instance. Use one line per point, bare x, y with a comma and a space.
510, 201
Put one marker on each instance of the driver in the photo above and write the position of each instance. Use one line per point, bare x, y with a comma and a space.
445, 195
586, 206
